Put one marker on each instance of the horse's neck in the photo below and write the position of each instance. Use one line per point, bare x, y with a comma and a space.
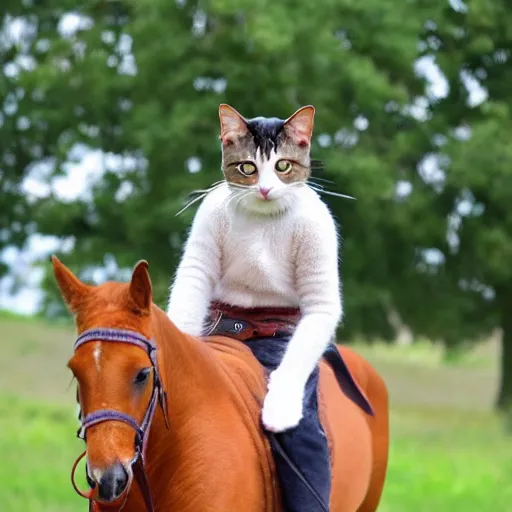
188, 368
209, 419
197, 373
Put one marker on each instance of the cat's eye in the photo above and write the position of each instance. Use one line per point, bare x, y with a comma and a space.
283, 166
247, 168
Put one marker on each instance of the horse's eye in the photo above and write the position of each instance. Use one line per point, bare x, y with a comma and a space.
142, 376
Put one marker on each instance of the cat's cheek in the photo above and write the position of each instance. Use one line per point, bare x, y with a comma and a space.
233, 176
280, 191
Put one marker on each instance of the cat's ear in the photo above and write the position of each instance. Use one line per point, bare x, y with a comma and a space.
232, 124
299, 126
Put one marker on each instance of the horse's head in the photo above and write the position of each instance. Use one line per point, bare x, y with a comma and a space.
117, 382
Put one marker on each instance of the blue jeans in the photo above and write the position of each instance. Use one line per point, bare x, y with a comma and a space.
305, 445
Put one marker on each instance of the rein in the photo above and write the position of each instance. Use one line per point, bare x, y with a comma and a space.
158, 396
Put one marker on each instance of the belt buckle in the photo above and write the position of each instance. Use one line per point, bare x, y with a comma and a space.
227, 325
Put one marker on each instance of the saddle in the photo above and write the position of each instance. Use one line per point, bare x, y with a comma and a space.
245, 324
267, 331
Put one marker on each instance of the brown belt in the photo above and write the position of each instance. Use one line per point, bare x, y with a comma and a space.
246, 323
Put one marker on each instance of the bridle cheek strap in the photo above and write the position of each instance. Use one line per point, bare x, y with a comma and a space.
158, 396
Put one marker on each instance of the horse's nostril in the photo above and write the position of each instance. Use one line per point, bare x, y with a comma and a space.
113, 482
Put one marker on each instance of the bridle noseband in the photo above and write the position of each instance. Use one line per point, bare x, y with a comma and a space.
102, 415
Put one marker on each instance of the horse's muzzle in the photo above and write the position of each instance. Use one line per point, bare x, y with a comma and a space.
113, 482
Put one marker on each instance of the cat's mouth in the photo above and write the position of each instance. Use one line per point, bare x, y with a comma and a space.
252, 199
266, 194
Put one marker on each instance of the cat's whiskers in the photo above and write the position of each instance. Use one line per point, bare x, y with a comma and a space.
321, 190
236, 193
317, 165
313, 182
240, 186
231, 197
190, 203
212, 187
241, 197
296, 184
202, 194
315, 178
317, 185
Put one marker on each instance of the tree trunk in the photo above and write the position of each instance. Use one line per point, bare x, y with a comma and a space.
504, 401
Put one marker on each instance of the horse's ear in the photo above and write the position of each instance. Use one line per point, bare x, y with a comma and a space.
140, 286
71, 288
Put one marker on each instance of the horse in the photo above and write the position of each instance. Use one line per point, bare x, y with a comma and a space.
183, 414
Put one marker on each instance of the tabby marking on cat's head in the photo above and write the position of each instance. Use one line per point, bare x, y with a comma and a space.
263, 159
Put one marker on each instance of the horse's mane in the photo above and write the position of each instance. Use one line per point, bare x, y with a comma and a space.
231, 357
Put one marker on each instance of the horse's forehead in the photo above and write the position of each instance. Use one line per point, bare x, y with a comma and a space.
109, 314
112, 289
111, 305
108, 296
107, 358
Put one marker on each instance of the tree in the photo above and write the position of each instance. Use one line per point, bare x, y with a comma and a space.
142, 81
465, 212
17, 149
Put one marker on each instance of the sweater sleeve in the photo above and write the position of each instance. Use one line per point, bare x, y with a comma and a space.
317, 281
199, 270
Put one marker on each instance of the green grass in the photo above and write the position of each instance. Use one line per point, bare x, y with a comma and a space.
37, 448
448, 461
449, 452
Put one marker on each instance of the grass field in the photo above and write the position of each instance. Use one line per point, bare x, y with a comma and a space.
448, 451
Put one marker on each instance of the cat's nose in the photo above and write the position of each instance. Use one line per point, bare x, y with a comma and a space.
265, 192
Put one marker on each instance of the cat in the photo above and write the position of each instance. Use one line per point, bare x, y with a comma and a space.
264, 238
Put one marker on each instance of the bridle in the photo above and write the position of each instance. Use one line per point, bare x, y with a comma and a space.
103, 415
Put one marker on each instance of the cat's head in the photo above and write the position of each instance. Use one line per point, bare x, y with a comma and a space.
265, 160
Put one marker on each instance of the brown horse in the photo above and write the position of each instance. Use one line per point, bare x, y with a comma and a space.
213, 456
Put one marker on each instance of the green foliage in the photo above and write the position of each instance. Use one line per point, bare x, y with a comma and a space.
472, 291
262, 57
144, 79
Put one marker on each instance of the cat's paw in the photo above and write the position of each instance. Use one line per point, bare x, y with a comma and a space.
282, 408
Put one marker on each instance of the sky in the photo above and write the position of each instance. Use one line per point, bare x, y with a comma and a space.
86, 166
